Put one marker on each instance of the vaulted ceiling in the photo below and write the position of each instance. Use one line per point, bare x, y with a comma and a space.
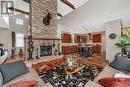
95, 13
79, 13
64, 7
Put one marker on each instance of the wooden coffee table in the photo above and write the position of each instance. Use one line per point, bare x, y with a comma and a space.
86, 61
58, 62
102, 65
75, 70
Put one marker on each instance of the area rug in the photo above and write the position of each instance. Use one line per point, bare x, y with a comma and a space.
57, 77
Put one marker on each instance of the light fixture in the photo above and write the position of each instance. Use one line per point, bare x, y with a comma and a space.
84, 27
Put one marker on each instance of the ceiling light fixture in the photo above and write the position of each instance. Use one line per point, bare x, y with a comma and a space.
84, 27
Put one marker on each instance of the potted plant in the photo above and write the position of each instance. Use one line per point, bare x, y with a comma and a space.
124, 44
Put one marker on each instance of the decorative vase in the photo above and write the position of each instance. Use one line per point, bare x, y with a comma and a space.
127, 51
20, 51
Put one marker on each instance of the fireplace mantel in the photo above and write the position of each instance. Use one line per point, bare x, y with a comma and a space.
37, 42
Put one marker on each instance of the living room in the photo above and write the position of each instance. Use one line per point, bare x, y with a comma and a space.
64, 43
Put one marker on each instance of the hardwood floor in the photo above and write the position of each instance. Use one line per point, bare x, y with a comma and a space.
15, 58
95, 58
99, 58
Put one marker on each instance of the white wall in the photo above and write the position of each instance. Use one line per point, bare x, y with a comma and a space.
59, 29
5, 34
18, 28
62, 28
111, 48
95, 13
5, 38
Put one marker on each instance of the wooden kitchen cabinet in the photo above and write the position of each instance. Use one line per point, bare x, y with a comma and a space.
69, 49
66, 38
79, 39
96, 38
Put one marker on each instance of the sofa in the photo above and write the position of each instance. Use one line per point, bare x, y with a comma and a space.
31, 75
119, 64
107, 72
3, 57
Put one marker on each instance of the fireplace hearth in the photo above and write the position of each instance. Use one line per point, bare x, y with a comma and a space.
45, 50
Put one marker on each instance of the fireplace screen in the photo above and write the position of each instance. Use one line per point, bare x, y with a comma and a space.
45, 50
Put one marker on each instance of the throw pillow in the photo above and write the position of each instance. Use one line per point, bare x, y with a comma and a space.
121, 64
43, 68
12, 70
121, 75
1, 79
115, 82
24, 84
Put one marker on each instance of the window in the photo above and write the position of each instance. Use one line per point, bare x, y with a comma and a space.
19, 40
19, 21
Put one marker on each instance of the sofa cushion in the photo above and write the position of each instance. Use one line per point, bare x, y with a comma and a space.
115, 82
92, 84
1, 79
32, 83
121, 63
107, 72
121, 75
12, 70
31, 75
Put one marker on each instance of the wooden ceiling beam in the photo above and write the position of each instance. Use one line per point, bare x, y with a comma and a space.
18, 10
58, 14
68, 3
28, 1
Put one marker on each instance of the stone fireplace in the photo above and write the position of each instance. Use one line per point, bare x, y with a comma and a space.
45, 39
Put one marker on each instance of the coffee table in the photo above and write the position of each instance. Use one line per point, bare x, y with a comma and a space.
86, 61
58, 62
56, 73
74, 70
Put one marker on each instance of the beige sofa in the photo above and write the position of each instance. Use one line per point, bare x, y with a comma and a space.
107, 72
32, 75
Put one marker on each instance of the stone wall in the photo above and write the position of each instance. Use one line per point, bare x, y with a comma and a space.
40, 9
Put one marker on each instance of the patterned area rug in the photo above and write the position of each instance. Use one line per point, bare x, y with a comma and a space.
57, 77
